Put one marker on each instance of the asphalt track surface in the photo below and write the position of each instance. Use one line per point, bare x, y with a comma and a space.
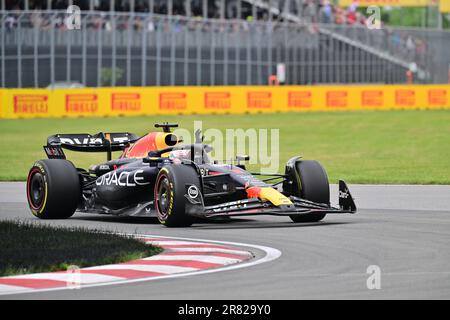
405, 230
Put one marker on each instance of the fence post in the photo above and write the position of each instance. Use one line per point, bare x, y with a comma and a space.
36, 54
212, 56
100, 53
84, 48
144, 53
205, 9
449, 73
3, 44
52, 48
129, 36
158, 52
187, 7
225, 54
186, 54
19, 51
68, 55
112, 17
172, 50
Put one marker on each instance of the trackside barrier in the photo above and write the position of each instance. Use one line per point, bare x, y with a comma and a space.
86, 102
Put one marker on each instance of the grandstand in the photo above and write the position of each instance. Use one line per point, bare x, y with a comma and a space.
201, 42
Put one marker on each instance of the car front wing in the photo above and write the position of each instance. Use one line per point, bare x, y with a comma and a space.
254, 206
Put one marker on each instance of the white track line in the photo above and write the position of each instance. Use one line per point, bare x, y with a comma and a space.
10, 289
211, 259
206, 250
143, 267
85, 278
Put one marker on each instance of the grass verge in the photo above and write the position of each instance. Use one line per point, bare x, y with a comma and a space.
29, 248
411, 147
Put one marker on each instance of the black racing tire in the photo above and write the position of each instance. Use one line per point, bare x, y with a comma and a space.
169, 194
314, 187
53, 189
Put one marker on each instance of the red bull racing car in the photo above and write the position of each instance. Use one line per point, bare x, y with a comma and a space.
158, 175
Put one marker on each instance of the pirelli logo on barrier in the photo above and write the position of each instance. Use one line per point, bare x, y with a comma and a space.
372, 98
405, 98
259, 100
299, 99
126, 102
337, 99
82, 103
437, 97
172, 101
217, 100
30, 104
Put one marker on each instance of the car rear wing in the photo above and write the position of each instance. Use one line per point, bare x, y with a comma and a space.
84, 142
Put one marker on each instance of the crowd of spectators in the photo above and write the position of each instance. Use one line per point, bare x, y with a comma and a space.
159, 6
318, 11
312, 12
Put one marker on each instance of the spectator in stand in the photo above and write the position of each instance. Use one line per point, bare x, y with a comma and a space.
360, 18
96, 22
36, 18
326, 12
10, 22
339, 15
151, 26
309, 11
352, 14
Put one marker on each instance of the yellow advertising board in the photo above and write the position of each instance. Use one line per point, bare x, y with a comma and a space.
392, 3
444, 6
129, 101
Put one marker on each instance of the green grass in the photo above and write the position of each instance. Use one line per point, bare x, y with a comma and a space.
43, 248
391, 147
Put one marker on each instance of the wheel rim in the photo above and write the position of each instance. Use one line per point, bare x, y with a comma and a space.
37, 190
163, 198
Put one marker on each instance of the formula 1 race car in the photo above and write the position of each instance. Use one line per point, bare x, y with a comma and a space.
157, 175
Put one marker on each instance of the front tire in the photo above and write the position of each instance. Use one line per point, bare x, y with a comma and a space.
169, 197
53, 189
313, 186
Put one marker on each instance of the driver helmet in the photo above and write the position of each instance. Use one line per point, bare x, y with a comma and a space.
179, 155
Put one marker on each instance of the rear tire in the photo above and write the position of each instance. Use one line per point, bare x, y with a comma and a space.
169, 197
314, 187
53, 189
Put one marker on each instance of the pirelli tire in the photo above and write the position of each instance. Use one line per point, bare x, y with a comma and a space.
53, 189
169, 194
314, 186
